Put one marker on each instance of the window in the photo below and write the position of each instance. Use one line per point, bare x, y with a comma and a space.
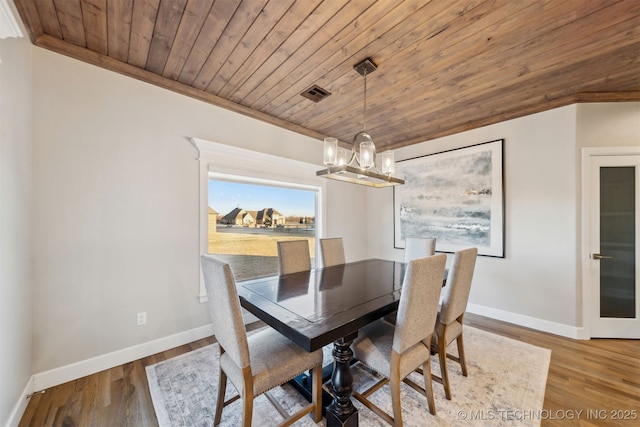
246, 218
225, 163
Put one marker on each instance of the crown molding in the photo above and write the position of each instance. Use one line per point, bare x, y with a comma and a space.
9, 25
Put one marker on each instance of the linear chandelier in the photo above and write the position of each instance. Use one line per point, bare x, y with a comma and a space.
361, 167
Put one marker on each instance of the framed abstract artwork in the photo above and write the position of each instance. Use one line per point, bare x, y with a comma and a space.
455, 196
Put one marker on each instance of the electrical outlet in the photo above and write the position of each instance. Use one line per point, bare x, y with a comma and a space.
142, 318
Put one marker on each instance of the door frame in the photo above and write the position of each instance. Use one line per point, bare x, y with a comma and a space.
587, 154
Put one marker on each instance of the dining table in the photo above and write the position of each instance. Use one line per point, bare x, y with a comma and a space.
324, 306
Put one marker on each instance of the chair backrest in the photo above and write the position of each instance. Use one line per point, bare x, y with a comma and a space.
332, 251
419, 300
456, 292
293, 256
224, 309
418, 247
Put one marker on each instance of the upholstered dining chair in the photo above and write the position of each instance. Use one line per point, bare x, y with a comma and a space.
293, 256
418, 247
449, 322
257, 363
332, 251
415, 247
396, 351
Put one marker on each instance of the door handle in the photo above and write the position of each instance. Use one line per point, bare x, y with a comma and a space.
598, 256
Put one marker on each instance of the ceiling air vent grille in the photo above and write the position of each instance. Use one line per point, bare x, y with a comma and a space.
315, 93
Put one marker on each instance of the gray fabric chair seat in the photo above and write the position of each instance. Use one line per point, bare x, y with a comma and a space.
267, 351
418, 247
453, 330
394, 351
332, 250
373, 347
293, 256
450, 317
415, 247
255, 364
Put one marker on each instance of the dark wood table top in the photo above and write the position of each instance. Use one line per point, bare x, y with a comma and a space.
316, 308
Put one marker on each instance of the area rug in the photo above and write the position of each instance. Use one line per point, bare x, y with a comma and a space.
505, 387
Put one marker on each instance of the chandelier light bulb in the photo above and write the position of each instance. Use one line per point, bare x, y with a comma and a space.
367, 155
341, 159
388, 163
330, 151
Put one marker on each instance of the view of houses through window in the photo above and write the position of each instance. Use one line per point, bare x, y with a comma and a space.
246, 219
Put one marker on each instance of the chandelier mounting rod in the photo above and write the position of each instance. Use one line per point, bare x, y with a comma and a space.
363, 68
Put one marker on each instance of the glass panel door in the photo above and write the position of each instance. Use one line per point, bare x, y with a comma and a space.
614, 235
617, 242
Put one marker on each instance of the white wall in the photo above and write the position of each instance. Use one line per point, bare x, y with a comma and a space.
116, 207
609, 124
15, 236
538, 283
348, 218
540, 215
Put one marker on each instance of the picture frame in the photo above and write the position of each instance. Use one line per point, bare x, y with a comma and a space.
454, 196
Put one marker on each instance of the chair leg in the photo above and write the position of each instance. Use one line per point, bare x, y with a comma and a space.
463, 360
316, 394
442, 355
394, 385
428, 386
222, 389
395, 399
247, 396
247, 408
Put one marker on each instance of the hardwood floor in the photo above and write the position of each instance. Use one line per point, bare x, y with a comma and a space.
599, 377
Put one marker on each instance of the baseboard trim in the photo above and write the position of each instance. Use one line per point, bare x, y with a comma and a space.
574, 332
63, 374
20, 406
53, 377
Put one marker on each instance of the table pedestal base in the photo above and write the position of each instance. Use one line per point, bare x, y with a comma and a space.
349, 421
341, 412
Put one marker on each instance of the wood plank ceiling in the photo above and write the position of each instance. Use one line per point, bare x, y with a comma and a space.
444, 66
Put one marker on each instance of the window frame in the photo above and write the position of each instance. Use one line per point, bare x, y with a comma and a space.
253, 167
